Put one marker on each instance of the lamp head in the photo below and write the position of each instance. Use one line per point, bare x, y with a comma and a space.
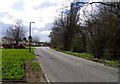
32, 22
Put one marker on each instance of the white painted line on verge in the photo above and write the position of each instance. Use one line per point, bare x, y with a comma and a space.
45, 76
43, 71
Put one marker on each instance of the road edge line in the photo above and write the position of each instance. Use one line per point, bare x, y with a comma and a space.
41, 67
45, 76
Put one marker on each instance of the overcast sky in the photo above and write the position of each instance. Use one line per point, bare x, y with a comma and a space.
42, 12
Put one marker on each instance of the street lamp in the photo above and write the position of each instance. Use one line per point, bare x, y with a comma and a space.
30, 37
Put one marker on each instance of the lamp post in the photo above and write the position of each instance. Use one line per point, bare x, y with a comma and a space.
30, 37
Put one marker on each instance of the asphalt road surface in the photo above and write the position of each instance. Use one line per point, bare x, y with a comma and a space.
60, 67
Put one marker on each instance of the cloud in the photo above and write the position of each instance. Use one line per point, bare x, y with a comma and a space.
42, 12
45, 5
2, 14
45, 32
3, 28
46, 27
18, 6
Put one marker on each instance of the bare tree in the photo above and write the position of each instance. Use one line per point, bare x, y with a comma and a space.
58, 33
99, 34
65, 28
16, 31
36, 39
100, 30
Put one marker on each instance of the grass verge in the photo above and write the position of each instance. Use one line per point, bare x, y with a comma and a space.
0, 64
34, 73
35, 66
13, 61
113, 63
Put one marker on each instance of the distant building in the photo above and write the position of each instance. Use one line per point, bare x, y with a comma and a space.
26, 42
5, 40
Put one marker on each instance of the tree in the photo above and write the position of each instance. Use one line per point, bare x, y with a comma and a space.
101, 33
36, 39
114, 8
65, 28
16, 31
57, 34
25, 39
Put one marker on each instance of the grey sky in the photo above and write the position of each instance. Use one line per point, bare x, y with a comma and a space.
42, 12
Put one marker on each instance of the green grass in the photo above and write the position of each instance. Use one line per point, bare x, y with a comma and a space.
1, 72
83, 55
13, 63
113, 63
35, 66
0, 64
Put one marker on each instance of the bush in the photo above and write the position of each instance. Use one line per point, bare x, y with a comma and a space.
7, 46
19, 46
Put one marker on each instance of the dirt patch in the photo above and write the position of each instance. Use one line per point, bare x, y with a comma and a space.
33, 76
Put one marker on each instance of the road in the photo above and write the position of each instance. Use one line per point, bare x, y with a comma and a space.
60, 67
